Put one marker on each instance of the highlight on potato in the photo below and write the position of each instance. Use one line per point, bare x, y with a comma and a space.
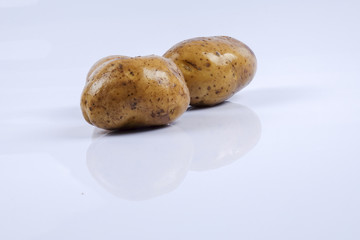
130, 92
215, 68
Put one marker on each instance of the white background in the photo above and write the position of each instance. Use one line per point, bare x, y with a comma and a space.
280, 160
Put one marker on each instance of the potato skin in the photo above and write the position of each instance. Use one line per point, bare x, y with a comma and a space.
102, 61
215, 68
126, 92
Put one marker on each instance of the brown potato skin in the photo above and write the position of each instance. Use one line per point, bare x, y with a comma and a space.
97, 66
102, 61
215, 68
125, 92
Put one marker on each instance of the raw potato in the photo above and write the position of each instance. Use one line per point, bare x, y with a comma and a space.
123, 92
215, 68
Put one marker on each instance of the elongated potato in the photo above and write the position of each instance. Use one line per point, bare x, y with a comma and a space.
215, 68
124, 92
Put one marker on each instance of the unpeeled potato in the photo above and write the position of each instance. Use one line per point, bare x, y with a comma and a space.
129, 92
215, 68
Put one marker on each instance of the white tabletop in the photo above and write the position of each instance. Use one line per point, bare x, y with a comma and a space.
279, 160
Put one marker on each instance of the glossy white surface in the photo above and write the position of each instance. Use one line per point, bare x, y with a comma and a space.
280, 160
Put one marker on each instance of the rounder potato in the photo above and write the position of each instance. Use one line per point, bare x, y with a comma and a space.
124, 92
215, 68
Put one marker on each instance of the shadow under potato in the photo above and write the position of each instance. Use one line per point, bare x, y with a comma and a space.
135, 130
193, 108
276, 96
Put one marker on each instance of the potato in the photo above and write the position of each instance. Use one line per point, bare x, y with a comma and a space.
124, 92
215, 68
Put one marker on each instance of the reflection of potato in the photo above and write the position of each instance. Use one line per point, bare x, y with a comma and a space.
137, 166
215, 68
235, 130
124, 92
